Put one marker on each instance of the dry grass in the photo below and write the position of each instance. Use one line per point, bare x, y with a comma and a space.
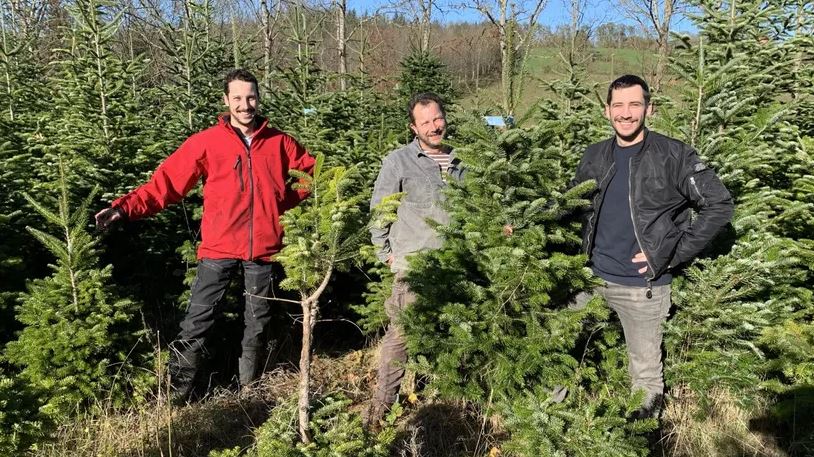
723, 432
446, 429
225, 419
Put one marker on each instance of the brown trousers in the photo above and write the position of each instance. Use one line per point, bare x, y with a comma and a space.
393, 349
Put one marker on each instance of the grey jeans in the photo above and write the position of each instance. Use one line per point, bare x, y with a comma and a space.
642, 321
393, 351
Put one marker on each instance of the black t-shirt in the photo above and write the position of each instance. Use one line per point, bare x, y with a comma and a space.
615, 243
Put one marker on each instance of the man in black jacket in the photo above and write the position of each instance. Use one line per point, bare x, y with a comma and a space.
639, 227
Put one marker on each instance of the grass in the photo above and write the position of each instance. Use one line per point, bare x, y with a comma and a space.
227, 419
602, 65
723, 429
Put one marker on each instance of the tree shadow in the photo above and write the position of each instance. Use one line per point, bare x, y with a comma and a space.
790, 421
198, 429
444, 430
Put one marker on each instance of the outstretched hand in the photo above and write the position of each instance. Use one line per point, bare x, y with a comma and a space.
106, 217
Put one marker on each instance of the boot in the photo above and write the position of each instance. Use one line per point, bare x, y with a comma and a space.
249, 365
182, 367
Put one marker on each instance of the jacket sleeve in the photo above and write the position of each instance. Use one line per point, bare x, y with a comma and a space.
711, 200
298, 159
387, 183
173, 179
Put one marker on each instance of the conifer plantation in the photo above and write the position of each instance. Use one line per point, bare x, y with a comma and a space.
95, 94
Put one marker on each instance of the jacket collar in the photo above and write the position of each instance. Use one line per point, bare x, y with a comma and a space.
262, 121
609, 144
415, 147
612, 141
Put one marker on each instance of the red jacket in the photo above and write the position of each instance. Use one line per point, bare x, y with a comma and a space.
245, 189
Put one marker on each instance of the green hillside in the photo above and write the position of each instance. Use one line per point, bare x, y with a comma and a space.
548, 64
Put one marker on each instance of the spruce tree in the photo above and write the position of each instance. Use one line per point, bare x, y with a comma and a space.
572, 116
739, 310
95, 123
80, 342
14, 268
422, 71
23, 420
198, 59
322, 236
490, 324
23, 100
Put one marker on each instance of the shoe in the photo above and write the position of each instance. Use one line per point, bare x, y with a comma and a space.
651, 410
183, 368
249, 365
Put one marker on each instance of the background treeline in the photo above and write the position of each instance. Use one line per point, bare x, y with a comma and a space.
95, 93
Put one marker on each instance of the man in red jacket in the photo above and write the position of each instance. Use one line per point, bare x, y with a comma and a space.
244, 164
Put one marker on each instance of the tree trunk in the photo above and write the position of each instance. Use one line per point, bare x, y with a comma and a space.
798, 57
101, 79
235, 46
341, 41
7, 57
661, 62
310, 307
268, 42
664, 45
304, 403
426, 24
506, 58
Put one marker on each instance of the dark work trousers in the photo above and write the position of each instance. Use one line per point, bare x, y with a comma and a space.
393, 352
210, 284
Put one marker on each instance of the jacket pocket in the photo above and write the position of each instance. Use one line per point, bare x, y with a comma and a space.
238, 167
418, 191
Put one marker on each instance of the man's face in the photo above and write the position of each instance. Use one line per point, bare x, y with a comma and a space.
430, 125
242, 103
627, 112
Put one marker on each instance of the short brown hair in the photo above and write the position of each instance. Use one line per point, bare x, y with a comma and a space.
424, 98
625, 81
240, 74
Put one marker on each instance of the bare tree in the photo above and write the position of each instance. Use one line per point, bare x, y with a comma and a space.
425, 25
345, 34
578, 31
420, 14
803, 29
657, 17
341, 7
515, 23
364, 44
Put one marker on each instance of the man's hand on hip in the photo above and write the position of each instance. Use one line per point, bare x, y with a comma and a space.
640, 258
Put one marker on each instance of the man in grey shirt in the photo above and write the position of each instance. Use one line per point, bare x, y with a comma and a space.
420, 170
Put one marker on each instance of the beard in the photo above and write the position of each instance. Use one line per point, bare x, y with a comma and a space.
432, 142
631, 136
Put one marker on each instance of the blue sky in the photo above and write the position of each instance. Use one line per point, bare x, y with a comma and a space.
554, 14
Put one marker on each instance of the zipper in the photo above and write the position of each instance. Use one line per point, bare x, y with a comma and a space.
649, 292
239, 170
251, 199
251, 188
697, 191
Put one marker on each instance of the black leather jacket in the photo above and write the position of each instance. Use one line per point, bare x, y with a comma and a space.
667, 178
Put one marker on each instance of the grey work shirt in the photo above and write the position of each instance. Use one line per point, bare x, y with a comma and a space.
409, 170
